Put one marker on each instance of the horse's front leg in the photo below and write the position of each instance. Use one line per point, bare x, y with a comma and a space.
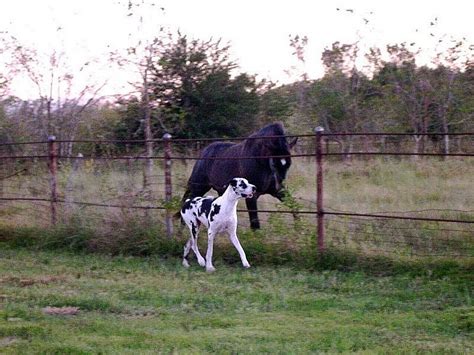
253, 214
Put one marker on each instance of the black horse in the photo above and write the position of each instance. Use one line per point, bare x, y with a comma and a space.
263, 159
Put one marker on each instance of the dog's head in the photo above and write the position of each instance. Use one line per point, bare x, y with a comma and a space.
242, 187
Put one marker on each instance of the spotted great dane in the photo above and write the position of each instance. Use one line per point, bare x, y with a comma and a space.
219, 215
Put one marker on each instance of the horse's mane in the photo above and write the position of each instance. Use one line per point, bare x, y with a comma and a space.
278, 141
273, 129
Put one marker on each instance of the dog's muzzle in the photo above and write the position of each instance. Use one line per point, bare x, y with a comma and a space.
250, 195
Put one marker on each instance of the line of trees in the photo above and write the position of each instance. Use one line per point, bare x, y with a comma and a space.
192, 88
392, 95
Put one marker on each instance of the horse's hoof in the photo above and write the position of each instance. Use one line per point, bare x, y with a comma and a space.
254, 225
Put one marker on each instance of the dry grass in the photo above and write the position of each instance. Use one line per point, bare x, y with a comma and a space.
425, 188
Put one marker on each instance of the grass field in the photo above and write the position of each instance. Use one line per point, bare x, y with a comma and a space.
371, 292
151, 305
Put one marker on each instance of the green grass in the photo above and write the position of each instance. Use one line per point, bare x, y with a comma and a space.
149, 305
370, 292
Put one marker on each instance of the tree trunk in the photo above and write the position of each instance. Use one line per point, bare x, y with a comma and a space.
148, 168
446, 137
69, 191
418, 140
348, 148
459, 144
383, 143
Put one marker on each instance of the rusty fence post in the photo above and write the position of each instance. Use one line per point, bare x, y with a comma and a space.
319, 189
53, 169
168, 184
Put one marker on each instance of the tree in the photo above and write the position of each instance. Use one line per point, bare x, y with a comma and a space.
59, 106
341, 92
226, 106
448, 90
465, 120
3, 85
140, 55
409, 89
196, 93
426, 99
276, 103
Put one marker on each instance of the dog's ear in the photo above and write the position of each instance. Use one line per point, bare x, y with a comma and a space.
233, 182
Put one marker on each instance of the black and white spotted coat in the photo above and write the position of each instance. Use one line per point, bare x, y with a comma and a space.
219, 215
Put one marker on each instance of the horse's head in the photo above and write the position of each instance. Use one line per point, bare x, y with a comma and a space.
272, 144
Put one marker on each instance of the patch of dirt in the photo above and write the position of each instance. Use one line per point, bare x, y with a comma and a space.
139, 313
25, 282
6, 341
61, 311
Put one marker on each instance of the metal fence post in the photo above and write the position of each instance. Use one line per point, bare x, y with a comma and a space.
53, 169
168, 184
319, 189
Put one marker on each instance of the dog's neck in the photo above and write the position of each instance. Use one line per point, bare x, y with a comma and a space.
230, 196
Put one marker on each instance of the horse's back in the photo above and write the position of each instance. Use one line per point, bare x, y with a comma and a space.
216, 149
214, 168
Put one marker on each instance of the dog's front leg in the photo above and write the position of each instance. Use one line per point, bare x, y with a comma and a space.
194, 246
236, 242
210, 246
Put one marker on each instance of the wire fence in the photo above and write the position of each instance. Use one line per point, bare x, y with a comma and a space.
428, 232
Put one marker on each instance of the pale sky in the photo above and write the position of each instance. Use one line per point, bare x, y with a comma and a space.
257, 30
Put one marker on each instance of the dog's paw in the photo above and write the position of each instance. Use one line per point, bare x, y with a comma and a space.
210, 269
185, 263
246, 265
202, 262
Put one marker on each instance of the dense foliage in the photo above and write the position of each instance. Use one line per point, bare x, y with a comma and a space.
191, 88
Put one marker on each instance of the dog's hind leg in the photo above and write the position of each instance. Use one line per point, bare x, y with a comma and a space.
187, 248
210, 246
191, 243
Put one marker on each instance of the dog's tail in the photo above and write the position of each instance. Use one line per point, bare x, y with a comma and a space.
184, 199
177, 215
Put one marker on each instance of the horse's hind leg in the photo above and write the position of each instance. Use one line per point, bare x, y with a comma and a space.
253, 214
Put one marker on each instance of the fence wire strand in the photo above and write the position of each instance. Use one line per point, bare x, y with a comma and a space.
364, 230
